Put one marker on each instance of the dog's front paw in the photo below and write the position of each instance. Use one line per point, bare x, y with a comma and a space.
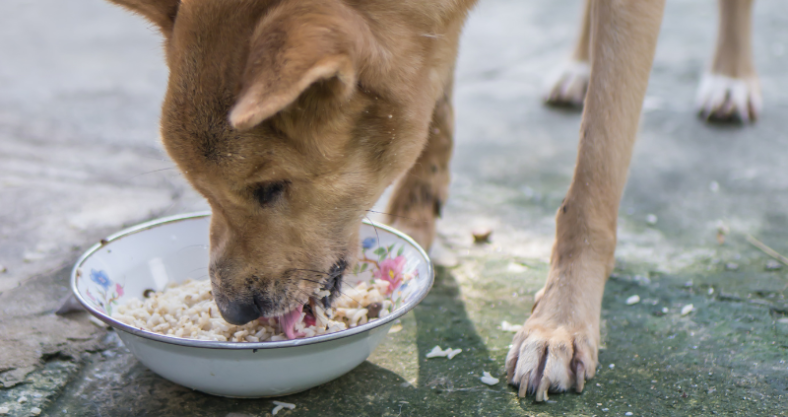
568, 87
725, 99
552, 356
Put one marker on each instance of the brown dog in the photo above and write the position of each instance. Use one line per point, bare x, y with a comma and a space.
291, 117
729, 91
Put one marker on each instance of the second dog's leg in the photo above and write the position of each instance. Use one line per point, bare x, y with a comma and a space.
419, 196
730, 90
557, 346
568, 86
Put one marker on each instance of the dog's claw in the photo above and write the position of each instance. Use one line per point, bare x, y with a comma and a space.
541, 392
551, 358
510, 367
725, 99
568, 87
580, 377
523, 390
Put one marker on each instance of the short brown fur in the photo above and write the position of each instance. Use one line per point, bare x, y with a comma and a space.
291, 117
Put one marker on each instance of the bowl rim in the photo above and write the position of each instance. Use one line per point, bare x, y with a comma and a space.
208, 344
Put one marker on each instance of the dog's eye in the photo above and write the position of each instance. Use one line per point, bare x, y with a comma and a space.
266, 194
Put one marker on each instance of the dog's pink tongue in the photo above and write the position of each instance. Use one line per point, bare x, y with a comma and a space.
288, 322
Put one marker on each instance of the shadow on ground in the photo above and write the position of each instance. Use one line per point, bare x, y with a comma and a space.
112, 381
726, 357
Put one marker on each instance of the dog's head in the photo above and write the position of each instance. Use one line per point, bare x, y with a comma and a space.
284, 115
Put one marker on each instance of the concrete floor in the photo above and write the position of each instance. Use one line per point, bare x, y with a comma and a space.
80, 89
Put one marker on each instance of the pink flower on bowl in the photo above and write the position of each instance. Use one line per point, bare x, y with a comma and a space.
119, 290
391, 271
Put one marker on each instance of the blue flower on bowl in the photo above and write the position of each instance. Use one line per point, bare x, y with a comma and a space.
100, 278
107, 294
368, 243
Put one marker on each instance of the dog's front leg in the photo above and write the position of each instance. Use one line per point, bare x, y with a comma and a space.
557, 346
731, 90
419, 196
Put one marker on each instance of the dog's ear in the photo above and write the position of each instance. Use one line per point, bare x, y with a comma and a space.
293, 49
160, 12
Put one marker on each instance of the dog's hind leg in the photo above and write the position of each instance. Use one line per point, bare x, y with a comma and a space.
557, 346
418, 197
567, 87
730, 91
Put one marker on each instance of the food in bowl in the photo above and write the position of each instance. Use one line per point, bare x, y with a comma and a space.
161, 253
188, 310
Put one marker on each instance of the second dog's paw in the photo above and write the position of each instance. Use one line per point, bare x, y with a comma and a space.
725, 99
568, 87
544, 358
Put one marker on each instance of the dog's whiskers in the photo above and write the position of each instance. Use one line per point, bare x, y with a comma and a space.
309, 280
197, 269
394, 215
341, 293
310, 270
152, 172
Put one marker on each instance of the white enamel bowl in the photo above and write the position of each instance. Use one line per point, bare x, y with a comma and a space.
173, 249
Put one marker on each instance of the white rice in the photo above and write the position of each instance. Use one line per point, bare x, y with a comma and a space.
188, 310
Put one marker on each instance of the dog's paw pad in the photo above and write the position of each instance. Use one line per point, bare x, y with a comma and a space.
544, 359
725, 99
569, 85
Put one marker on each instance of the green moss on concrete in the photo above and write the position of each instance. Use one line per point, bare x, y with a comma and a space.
40, 388
726, 357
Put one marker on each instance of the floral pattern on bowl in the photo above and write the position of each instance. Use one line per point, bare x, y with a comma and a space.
155, 254
385, 265
107, 292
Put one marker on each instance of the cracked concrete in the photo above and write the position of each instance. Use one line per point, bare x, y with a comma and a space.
80, 89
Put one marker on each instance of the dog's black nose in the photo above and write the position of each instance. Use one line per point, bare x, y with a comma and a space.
238, 312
